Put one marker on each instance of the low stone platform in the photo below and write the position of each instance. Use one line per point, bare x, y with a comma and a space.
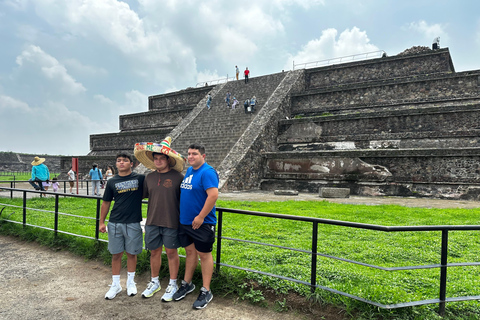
334, 192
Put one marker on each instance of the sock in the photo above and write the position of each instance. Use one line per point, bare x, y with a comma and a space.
155, 279
116, 280
131, 276
173, 281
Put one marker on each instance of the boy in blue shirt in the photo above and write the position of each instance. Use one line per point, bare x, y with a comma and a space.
196, 232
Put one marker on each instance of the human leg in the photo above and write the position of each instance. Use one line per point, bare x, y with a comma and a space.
35, 185
206, 263
191, 261
115, 287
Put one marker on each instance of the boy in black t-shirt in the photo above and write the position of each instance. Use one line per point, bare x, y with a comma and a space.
124, 230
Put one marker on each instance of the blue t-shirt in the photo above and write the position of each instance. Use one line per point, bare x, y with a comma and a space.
193, 193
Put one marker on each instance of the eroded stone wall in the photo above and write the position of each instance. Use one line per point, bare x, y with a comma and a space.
465, 84
153, 119
183, 98
377, 69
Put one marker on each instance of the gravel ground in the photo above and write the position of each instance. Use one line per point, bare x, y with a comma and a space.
39, 283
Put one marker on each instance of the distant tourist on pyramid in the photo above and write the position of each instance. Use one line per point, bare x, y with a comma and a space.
209, 100
227, 99
246, 105
235, 102
253, 102
237, 71
246, 73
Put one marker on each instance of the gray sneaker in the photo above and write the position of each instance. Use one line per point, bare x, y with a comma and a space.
152, 288
203, 299
185, 289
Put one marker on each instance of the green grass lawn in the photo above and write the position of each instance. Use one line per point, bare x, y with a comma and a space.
366, 246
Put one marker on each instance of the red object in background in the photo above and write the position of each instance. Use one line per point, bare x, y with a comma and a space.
75, 168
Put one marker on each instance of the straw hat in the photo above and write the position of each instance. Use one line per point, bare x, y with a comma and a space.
36, 161
144, 153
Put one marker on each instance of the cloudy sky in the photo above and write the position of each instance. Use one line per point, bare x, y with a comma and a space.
69, 68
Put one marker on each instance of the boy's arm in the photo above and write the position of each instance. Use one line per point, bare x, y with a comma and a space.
212, 196
103, 215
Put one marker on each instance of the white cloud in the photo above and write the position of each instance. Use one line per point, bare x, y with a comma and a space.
306, 4
430, 31
8, 103
65, 131
36, 58
17, 4
88, 70
349, 42
208, 75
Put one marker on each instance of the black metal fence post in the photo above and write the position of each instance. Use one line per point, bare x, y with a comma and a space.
12, 185
55, 227
313, 278
443, 273
219, 240
97, 221
24, 208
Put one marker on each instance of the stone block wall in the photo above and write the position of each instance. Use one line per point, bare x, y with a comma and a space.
11, 161
434, 127
153, 119
451, 173
183, 98
437, 61
112, 143
422, 88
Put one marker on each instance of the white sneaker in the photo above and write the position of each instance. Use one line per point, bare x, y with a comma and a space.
152, 288
169, 292
131, 289
114, 290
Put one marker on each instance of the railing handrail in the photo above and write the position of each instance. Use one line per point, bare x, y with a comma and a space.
443, 265
214, 82
331, 61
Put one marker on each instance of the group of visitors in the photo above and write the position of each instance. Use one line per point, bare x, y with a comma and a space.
181, 212
249, 105
40, 177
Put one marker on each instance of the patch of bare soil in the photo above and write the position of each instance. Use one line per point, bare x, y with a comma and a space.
39, 283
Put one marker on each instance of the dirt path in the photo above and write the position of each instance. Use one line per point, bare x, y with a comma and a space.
38, 283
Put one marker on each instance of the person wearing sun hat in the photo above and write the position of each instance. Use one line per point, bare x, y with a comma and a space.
40, 173
162, 188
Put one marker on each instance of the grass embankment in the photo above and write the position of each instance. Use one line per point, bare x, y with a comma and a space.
371, 247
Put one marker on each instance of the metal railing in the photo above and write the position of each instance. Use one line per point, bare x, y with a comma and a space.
443, 264
353, 57
65, 184
214, 82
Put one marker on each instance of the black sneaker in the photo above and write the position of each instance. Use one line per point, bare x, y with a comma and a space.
203, 299
185, 289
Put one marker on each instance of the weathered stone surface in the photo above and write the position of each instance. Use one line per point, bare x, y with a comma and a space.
285, 193
334, 192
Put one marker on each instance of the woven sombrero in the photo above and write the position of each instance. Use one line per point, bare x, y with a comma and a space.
36, 161
144, 153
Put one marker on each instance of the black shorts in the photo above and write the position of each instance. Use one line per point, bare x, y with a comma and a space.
203, 237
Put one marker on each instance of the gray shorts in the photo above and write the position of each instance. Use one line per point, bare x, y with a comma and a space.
125, 237
156, 237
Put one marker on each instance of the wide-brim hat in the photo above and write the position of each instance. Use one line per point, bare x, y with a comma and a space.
37, 160
144, 153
